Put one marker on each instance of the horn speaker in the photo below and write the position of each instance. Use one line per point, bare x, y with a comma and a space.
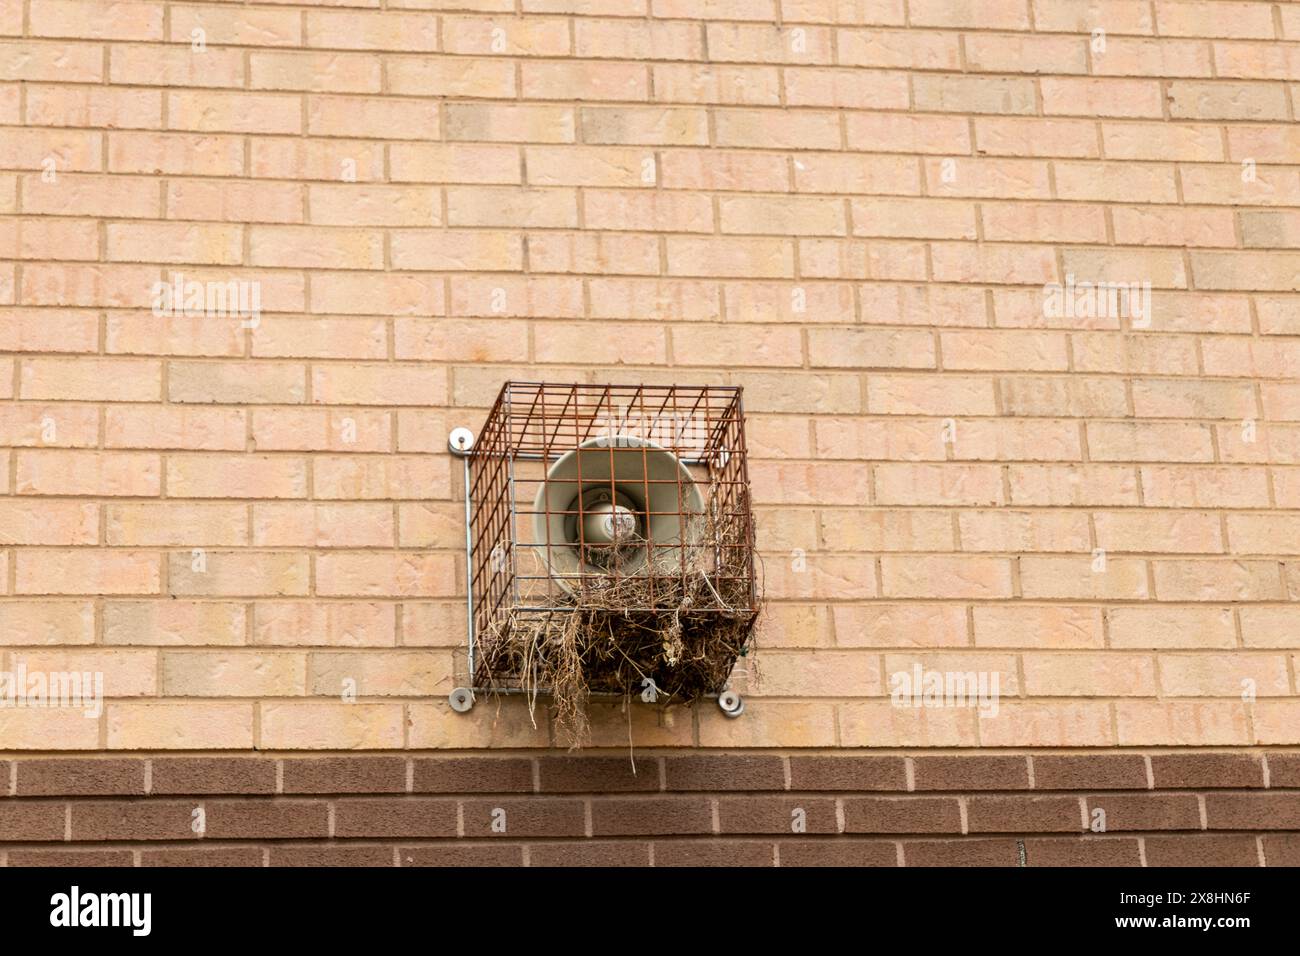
610, 506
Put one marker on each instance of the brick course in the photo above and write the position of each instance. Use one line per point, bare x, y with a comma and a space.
499, 811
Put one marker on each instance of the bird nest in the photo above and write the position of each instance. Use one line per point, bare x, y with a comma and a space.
670, 633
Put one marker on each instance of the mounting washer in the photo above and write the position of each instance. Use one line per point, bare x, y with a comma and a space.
461, 699
731, 703
460, 441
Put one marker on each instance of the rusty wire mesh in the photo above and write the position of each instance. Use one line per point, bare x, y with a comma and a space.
669, 594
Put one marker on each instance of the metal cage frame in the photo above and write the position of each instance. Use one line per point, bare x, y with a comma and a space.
532, 425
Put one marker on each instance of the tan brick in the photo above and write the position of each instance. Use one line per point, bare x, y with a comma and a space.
1270, 627
86, 572
236, 476
1183, 532
1067, 484
88, 379
385, 674
510, 124
303, 429
379, 478
233, 673
1048, 724
325, 624
66, 472
450, 76
48, 522
973, 94
511, 295
339, 525
1053, 674
235, 573
392, 293
55, 425
1038, 626
173, 622
900, 625
627, 40
1018, 136
906, 49
1017, 531
1207, 486
126, 673
1082, 577
966, 577
179, 725
994, 53
1218, 580
144, 426
31, 623
59, 62
555, 80
175, 153
331, 726
1162, 141
843, 530
317, 72
109, 21
1159, 626
213, 112
403, 575
93, 107
176, 66
176, 524
332, 160
236, 27
1201, 19
347, 30
1175, 723
236, 382
1224, 675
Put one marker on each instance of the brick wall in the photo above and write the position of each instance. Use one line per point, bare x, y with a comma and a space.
1191, 809
850, 207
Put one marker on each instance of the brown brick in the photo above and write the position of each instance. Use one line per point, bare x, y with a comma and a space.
848, 773
1090, 772
266, 819
395, 817
526, 817
902, 815
332, 856
1199, 771
1083, 851
724, 772
132, 820
1201, 850
970, 773
477, 854
1147, 811
596, 774
775, 814
1252, 811
1283, 770
1280, 849
473, 775
656, 815
206, 856
345, 774
76, 858
713, 853
617, 853
837, 852
58, 777
213, 775
960, 853
1023, 814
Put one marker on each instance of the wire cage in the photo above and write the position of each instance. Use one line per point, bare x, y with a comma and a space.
610, 541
